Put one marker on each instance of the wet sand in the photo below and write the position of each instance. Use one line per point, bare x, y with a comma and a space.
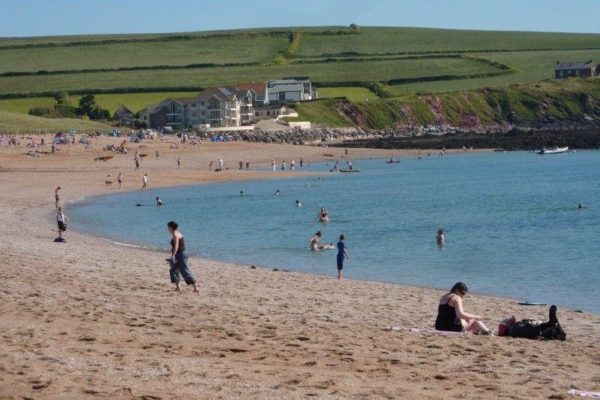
90, 319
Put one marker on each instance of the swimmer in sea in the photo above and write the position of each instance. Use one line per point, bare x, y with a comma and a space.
440, 239
298, 204
277, 193
158, 202
323, 215
241, 193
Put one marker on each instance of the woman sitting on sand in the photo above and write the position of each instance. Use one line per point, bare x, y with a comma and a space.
451, 316
179, 260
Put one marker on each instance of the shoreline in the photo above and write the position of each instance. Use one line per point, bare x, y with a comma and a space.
100, 319
296, 175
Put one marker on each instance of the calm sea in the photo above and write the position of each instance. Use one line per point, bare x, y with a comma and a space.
513, 227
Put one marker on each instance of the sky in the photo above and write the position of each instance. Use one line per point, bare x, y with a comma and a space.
70, 17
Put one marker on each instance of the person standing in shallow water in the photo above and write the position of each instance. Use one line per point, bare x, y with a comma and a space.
440, 239
61, 221
179, 260
341, 255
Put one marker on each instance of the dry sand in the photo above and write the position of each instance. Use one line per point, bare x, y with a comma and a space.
90, 319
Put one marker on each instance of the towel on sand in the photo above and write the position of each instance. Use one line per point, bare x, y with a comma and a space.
585, 393
422, 330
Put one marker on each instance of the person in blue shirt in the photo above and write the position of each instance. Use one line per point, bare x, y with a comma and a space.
342, 253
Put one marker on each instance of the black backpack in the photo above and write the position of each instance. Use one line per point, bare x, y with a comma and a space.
525, 329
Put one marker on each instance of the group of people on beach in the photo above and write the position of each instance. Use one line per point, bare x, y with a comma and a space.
283, 165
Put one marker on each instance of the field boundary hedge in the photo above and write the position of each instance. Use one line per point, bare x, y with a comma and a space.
182, 37
434, 52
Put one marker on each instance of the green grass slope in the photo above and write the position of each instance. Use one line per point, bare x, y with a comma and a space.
26, 124
522, 105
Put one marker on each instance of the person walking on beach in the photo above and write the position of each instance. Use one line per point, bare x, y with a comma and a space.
145, 182
157, 155
451, 316
179, 260
210, 165
293, 165
301, 162
221, 164
120, 180
274, 165
61, 221
341, 255
283, 165
179, 163
56, 197
241, 165
247, 165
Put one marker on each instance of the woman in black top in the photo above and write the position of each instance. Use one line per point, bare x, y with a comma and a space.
179, 260
451, 316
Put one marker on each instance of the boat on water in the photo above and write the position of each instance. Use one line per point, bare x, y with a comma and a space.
554, 150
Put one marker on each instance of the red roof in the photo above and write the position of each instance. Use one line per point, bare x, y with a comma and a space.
259, 88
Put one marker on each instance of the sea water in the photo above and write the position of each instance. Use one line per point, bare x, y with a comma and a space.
512, 222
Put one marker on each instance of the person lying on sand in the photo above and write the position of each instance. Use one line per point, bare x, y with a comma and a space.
451, 316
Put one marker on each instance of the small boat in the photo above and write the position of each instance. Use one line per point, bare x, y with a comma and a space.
392, 162
554, 150
349, 170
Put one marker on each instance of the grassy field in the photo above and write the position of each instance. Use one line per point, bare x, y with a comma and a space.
532, 66
403, 40
177, 53
322, 112
134, 101
364, 71
400, 61
354, 94
22, 123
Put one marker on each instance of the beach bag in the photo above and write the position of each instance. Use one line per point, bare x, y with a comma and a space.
526, 328
504, 326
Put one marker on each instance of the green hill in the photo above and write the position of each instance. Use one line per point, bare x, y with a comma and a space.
23, 123
134, 70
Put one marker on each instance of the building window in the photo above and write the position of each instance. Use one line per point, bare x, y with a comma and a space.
256, 114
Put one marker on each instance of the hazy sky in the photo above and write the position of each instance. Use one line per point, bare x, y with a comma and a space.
61, 17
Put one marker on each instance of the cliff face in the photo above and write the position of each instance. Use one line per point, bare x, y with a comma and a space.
551, 104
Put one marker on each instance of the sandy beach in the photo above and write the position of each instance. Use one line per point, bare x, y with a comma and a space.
91, 319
